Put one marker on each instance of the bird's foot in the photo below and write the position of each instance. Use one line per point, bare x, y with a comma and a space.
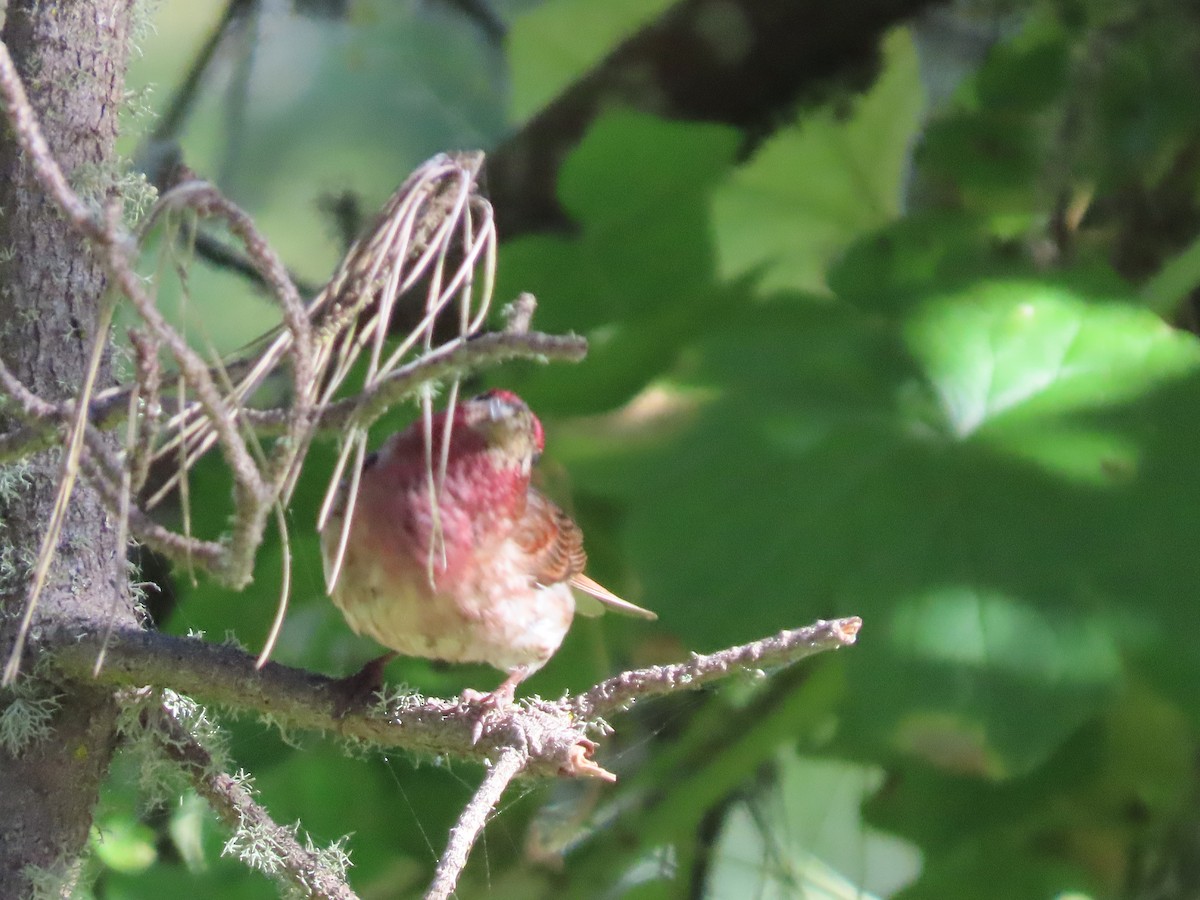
484, 705
357, 690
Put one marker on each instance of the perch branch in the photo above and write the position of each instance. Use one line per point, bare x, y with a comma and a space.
552, 735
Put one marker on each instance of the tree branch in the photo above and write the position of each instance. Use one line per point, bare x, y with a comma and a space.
448, 360
471, 821
552, 735
277, 852
456, 358
777, 651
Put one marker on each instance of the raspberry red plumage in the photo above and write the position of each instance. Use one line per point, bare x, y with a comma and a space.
483, 574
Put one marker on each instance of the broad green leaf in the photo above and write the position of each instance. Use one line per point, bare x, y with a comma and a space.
803, 836
557, 42
637, 276
124, 844
814, 187
1006, 350
1174, 282
990, 684
189, 822
827, 463
1079, 805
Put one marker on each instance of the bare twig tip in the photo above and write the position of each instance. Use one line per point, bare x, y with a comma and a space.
581, 765
849, 628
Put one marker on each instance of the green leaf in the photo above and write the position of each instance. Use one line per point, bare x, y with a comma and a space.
937, 475
637, 276
803, 836
991, 683
554, 44
1179, 276
814, 187
189, 822
1013, 350
1079, 805
124, 844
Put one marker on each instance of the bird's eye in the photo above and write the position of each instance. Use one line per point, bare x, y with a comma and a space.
501, 396
370, 459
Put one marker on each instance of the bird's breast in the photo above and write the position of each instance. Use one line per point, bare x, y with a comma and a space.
479, 607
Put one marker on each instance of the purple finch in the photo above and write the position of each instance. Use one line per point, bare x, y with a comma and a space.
481, 570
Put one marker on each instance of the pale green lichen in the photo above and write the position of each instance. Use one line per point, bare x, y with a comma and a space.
355, 747
16, 566
285, 733
28, 708
141, 24
137, 587
159, 779
65, 881
335, 858
15, 479
136, 105
256, 844
97, 182
389, 698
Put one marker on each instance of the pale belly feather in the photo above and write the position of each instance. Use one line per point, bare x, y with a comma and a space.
507, 624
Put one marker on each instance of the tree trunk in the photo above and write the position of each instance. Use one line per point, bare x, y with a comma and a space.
72, 57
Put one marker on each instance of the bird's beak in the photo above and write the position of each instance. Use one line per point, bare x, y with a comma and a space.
496, 407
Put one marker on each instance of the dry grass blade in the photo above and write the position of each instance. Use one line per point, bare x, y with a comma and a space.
415, 229
383, 257
285, 588
66, 485
346, 500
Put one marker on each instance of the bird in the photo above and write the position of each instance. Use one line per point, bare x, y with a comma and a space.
482, 568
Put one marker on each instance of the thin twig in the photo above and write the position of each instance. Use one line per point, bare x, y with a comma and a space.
456, 358
460, 358
781, 649
235, 805
471, 821
219, 255
173, 118
103, 472
31, 406
29, 136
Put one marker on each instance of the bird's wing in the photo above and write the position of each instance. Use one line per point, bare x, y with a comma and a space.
551, 539
554, 544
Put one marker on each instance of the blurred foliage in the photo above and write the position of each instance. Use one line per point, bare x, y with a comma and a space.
922, 357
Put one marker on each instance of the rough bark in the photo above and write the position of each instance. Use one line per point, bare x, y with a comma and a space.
72, 57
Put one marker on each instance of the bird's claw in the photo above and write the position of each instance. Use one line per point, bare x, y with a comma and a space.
484, 704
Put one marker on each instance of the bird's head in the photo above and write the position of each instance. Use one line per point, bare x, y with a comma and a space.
505, 424
496, 425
